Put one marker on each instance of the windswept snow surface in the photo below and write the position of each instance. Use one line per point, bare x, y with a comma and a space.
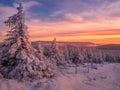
106, 77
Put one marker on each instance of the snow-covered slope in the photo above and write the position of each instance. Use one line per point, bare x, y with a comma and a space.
107, 77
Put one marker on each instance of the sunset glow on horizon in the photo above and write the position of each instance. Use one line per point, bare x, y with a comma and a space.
96, 21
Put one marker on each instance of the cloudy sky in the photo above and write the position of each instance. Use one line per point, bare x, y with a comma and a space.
95, 21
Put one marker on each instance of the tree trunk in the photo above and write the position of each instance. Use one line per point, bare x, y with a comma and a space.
88, 67
75, 68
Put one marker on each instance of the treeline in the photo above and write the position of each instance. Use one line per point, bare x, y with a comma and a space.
81, 55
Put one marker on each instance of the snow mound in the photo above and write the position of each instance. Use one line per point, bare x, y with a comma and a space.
106, 77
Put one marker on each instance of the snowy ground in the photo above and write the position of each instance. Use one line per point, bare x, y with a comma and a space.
107, 77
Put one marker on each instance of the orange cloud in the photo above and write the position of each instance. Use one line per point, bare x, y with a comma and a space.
95, 30
75, 28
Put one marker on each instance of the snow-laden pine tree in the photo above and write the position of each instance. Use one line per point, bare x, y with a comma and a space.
75, 56
54, 54
18, 59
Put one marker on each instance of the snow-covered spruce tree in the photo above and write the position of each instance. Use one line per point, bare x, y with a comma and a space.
65, 53
18, 59
74, 56
53, 53
57, 54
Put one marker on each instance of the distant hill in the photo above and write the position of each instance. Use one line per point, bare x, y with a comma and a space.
109, 46
84, 44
